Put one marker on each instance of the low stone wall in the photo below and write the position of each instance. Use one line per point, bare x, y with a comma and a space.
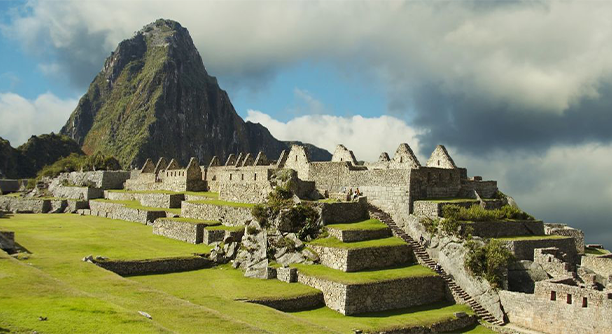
96, 179
344, 212
211, 236
433, 209
564, 230
523, 249
601, 265
378, 296
293, 304
500, 229
154, 266
119, 211
7, 240
73, 205
359, 235
119, 196
160, 200
547, 316
80, 193
357, 259
184, 231
453, 325
25, 205
227, 215
9, 186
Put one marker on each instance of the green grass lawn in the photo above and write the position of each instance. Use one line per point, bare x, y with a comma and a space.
335, 243
193, 221
79, 297
370, 225
136, 205
368, 276
378, 321
532, 237
224, 203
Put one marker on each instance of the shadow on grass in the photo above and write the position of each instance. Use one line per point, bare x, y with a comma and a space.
5, 215
4, 330
384, 314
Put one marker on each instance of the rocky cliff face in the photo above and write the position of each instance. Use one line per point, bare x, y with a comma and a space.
155, 98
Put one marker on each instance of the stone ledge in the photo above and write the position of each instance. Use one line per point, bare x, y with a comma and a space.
356, 259
119, 211
350, 299
154, 266
191, 232
228, 215
293, 304
358, 235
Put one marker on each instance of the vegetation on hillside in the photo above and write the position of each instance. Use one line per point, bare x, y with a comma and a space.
489, 261
75, 162
476, 213
28, 159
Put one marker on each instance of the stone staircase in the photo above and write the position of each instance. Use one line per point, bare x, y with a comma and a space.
424, 258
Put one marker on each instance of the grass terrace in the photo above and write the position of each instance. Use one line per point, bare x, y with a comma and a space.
137, 205
335, 243
193, 221
361, 277
369, 225
224, 203
595, 251
532, 237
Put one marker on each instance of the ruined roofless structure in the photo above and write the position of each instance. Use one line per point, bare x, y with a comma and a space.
392, 183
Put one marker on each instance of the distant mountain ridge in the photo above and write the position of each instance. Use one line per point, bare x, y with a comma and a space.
154, 98
27, 159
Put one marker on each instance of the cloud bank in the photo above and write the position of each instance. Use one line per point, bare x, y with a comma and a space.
22, 118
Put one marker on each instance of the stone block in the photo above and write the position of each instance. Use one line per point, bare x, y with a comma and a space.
211, 236
356, 259
287, 274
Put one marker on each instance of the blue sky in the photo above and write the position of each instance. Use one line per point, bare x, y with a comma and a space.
518, 91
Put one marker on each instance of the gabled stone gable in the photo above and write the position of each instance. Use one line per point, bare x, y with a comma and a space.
148, 167
239, 160
214, 162
384, 157
248, 160
161, 165
261, 159
343, 154
404, 155
441, 159
173, 165
282, 159
231, 160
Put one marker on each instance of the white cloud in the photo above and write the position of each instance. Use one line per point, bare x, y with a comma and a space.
536, 55
22, 118
312, 105
366, 137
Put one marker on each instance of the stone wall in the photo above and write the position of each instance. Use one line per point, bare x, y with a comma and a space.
359, 235
344, 212
453, 325
7, 240
159, 200
119, 211
356, 259
485, 189
433, 209
179, 230
96, 179
154, 266
228, 215
601, 265
379, 296
25, 205
523, 249
119, 195
9, 186
80, 193
429, 182
293, 304
564, 230
73, 205
538, 312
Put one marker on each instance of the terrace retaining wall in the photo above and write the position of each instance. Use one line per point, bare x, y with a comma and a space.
357, 259
344, 212
500, 229
293, 304
25, 205
184, 231
79, 193
119, 211
227, 215
523, 249
154, 266
160, 200
359, 235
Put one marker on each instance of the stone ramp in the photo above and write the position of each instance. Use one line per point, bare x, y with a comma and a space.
423, 258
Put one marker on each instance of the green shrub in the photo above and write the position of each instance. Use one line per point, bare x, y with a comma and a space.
285, 242
261, 213
431, 225
489, 261
477, 213
252, 230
